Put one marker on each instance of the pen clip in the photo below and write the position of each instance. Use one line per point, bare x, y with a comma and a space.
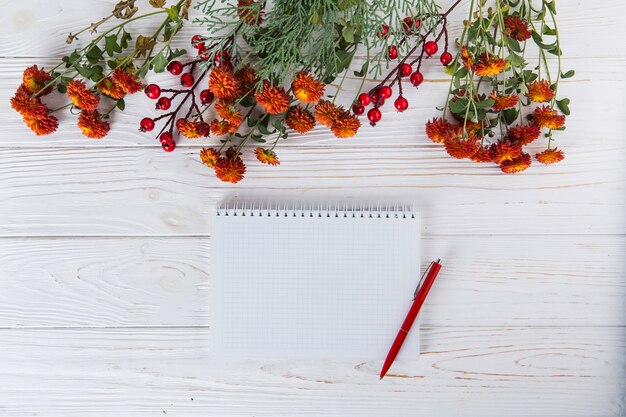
419, 284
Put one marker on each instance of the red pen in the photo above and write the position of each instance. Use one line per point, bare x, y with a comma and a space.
418, 300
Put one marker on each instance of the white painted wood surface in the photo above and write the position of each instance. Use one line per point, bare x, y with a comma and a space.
105, 250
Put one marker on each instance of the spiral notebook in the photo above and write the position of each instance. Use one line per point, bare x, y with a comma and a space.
314, 282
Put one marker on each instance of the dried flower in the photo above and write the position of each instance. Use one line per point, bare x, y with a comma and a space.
299, 119
326, 112
539, 91
517, 28
209, 157
92, 125
273, 99
502, 102
306, 88
128, 83
547, 117
346, 125
230, 169
34, 79
518, 164
266, 156
110, 88
438, 129
224, 84
81, 97
550, 156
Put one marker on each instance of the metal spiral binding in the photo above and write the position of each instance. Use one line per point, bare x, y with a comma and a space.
251, 209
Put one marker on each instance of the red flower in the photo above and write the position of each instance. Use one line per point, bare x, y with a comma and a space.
81, 97
502, 102
346, 125
224, 84
273, 99
550, 156
92, 124
191, 129
483, 154
299, 119
488, 65
505, 151
539, 91
459, 147
517, 28
128, 83
438, 130
209, 157
524, 134
326, 112
518, 164
230, 169
547, 117
34, 79
306, 88
23, 103
42, 125
266, 156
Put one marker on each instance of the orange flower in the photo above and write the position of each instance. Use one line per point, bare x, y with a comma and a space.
229, 112
230, 169
459, 147
306, 88
209, 157
222, 127
35, 79
224, 84
266, 156
250, 12
488, 65
517, 28
42, 124
247, 77
326, 112
191, 129
502, 102
346, 125
505, 151
539, 91
550, 156
128, 83
92, 124
273, 99
438, 130
81, 97
23, 103
524, 134
110, 88
483, 154
299, 119
547, 117
516, 165
474, 128
466, 57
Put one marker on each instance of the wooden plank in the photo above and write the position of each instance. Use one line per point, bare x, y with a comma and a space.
484, 371
487, 281
145, 191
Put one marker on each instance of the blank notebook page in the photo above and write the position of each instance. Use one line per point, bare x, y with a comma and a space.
313, 283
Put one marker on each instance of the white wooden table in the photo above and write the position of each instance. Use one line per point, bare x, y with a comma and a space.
105, 249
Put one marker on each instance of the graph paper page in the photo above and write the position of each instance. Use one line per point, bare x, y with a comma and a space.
313, 287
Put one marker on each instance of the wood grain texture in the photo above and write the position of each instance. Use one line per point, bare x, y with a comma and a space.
471, 371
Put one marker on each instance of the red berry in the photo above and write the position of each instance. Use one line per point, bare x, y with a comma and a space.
405, 70
430, 48
206, 96
365, 99
204, 55
446, 58
222, 57
146, 124
169, 146
163, 103
358, 109
392, 52
416, 23
153, 91
186, 80
385, 91
175, 67
401, 104
416, 78
166, 137
374, 115
380, 102
375, 96
197, 41
383, 31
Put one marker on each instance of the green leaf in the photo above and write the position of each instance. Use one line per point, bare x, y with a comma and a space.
120, 104
96, 73
548, 31
124, 39
513, 45
159, 62
515, 60
94, 54
563, 105
84, 71
485, 103
111, 46
348, 34
568, 74
458, 106
550, 5
363, 70
510, 115
173, 54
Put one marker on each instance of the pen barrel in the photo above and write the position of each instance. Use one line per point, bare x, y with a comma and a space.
422, 293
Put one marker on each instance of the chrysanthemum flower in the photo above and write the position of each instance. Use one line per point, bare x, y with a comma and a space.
191, 129
250, 12
229, 112
247, 77
42, 124
483, 154
546, 117
110, 88
81, 97
230, 169
92, 124
224, 84
326, 112
488, 65
35, 79
475, 129
346, 125
459, 147
550, 156
222, 127
502, 102
504, 150
466, 57
299, 119
266, 156
517, 28
23, 103
209, 157
524, 134
128, 83
438, 130
539, 91
306, 88
516, 165
273, 99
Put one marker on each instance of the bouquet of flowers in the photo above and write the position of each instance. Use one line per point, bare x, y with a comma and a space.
260, 74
